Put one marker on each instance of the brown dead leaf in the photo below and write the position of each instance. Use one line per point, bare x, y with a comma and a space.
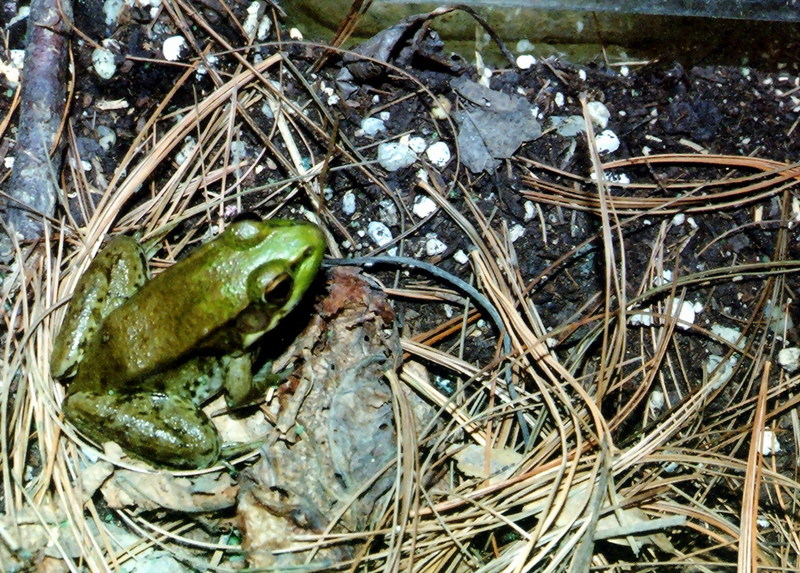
149, 491
339, 433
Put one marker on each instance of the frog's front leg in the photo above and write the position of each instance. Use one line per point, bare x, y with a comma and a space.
167, 429
116, 273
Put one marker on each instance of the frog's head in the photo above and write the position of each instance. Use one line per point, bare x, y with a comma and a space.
283, 258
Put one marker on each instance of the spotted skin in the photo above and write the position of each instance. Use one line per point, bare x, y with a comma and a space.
143, 356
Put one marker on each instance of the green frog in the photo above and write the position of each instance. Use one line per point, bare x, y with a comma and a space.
144, 355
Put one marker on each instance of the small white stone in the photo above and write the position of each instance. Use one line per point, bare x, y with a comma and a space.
656, 399
624, 71
379, 233
684, 313
433, 247
568, 126
698, 307
582, 75
295, 34
530, 210
606, 141
438, 153
524, 45
349, 203
264, 27
678, 220
723, 374
525, 61
106, 137
8, 162
254, 13
10, 72
666, 277
103, 63
112, 9
417, 144
173, 48
770, 444
728, 334
671, 467
515, 232
202, 70
599, 113
789, 359
393, 155
559, 99
385, 115
641, 318
189, 143
424, 206
372, 126
461, 257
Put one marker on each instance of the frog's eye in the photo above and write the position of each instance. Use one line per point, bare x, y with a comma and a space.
246, 230
278, 290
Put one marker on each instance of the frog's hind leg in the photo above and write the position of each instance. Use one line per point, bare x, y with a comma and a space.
168, 430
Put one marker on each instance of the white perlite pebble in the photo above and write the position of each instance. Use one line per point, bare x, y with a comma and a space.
599, 113
461, 257
516, 232
349, 203
606, 141
379, 233
770, 445
438, 154
372, 126
685, 314
106, 137
103, 63
656, 400
525, 61
789, 359
394, 155
727, 333
173, 48
423, 206
434, 246
530, 211
417, 144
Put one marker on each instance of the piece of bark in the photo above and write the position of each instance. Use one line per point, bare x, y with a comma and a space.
32, 189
